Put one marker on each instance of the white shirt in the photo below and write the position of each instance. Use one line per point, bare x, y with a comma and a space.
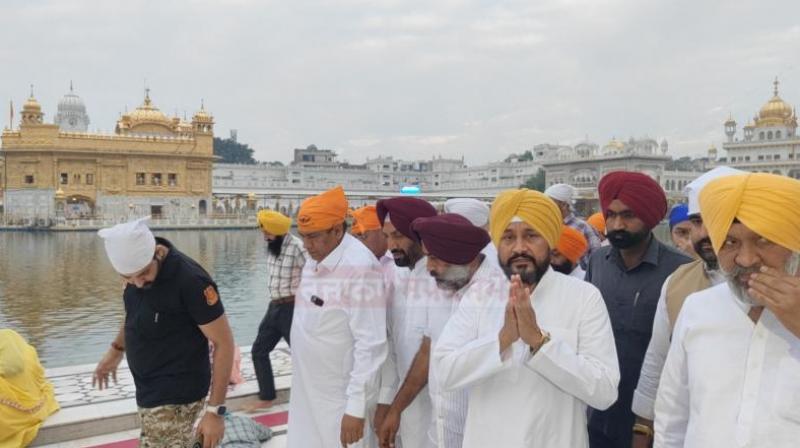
644, 397
450, 408
491, 254
728, 382
578, 272
519, 400
338, 344
407, 319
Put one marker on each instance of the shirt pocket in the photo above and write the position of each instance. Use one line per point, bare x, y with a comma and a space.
787, 390
152, 324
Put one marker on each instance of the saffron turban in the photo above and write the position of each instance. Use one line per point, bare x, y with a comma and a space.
451, 237
130, 246
561, 192
273, 222
365, 219
767, 204
598, 222
638, 191
477, 212
532, 207
692, 191
572, 244
323, 211
403, 211
678, 214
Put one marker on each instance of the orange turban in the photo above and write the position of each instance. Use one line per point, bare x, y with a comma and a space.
572, 244
365, 219
767, 204
598, 221
323, 211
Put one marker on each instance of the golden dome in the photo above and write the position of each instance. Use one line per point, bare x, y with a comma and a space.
776, 112
202, 115
730, 121
147, 113
31, 104
614, 143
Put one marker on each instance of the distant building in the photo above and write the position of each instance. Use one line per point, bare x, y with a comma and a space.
151, 165
769, 142
583, 165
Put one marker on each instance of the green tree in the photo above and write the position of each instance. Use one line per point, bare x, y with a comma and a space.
535, 182
526, 156
232, 151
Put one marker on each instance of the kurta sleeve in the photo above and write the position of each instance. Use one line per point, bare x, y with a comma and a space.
462, 356
672, 400
644, 397
591, 373
367, 322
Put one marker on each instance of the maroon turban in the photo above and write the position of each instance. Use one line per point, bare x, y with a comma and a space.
451, 238
636, 190
402, 212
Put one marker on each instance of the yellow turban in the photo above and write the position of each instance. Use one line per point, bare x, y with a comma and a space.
365, 219
767, 204
533, 207
273, 222
29, 396
323, 211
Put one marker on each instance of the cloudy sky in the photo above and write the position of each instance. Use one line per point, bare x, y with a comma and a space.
412, 78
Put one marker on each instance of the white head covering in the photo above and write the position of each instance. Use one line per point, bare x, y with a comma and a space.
692, 191
561, 192
477, 212
129, 246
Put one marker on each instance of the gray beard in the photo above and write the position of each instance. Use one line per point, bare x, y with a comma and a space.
740, 293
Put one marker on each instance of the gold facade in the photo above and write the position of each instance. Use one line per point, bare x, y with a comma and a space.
148, 156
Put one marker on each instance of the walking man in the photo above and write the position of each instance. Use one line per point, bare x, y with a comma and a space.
172, 311
285, 260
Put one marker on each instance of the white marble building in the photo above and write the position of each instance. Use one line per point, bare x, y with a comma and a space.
768, 143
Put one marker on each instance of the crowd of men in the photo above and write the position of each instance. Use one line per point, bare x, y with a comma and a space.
511, 325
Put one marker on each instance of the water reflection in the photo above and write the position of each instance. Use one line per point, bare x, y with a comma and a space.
58, 290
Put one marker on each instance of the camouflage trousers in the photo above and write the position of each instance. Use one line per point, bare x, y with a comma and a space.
169, 426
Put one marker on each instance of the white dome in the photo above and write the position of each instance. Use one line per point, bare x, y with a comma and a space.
71, 115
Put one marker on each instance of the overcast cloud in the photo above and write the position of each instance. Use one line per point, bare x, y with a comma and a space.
411, 78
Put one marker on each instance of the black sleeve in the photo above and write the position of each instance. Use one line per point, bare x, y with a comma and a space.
201, 299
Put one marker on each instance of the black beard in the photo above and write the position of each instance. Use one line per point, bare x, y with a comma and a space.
407, 259
565, 268
708, 256
622, 239
274, 246
528, 276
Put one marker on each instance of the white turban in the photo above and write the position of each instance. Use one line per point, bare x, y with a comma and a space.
692, 191
561, 192
477, 212
130, 246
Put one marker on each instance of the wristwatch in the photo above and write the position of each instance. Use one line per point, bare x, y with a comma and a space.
220, 410
640, 428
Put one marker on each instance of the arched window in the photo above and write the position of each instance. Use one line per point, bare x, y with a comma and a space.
761, 135
777, 134
769, 135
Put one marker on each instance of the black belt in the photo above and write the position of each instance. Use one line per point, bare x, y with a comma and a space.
283, 300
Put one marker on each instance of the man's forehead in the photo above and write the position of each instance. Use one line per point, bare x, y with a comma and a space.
618, 206
520, 226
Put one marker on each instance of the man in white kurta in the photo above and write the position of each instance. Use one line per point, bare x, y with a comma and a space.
732, 375
532, 360
338, 332
455, 260
405, 405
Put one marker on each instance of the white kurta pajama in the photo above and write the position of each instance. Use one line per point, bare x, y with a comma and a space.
338, 345
406, 328
728, 382
519, 400
450, 407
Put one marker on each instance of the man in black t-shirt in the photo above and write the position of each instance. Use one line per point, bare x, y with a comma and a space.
172, 310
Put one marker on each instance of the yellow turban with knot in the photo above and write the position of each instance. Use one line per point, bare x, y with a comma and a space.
323, 211
273, 222
767, 204
533, 207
